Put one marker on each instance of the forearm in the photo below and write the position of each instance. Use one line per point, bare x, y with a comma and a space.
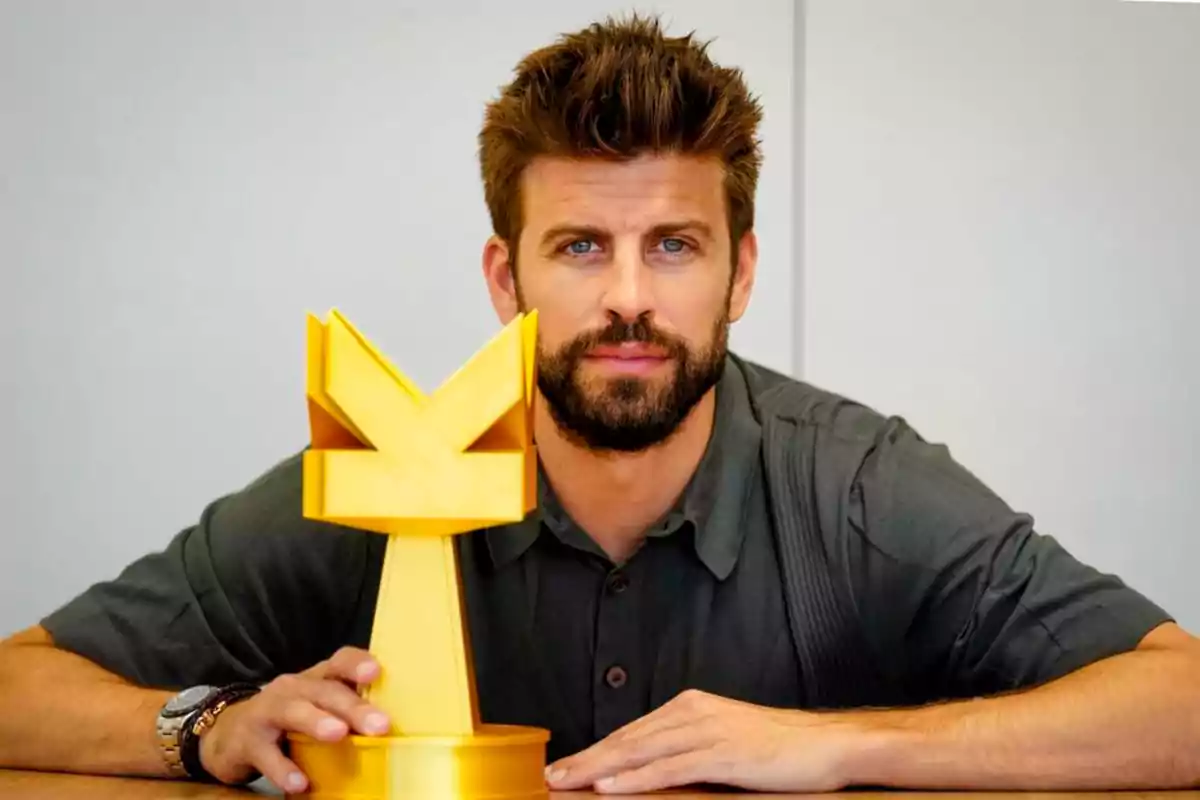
1132, 721
63, 713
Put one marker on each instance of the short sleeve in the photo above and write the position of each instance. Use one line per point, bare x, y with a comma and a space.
252, 590
958, 594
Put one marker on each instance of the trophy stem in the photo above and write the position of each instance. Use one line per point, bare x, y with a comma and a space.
419, 638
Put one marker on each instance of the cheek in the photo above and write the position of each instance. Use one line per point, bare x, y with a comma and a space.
566, 308
558, 325
689, 308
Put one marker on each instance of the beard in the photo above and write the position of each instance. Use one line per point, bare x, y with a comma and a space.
633, 413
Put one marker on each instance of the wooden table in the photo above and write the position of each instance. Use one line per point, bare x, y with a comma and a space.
20, 785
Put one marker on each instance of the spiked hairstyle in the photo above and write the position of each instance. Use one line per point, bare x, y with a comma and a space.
619, 89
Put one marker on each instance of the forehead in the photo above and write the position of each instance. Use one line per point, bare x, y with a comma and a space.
618, 195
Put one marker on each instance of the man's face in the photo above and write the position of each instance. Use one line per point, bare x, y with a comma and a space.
630, 268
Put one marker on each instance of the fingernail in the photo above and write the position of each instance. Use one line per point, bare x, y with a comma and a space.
555, 774
295, 782
329, 727
604, 784
365, 670
377, 722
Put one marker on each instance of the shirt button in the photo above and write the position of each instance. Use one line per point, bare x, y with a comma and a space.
617, 582
616, 677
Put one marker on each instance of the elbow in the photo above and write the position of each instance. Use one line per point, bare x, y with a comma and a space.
1179, 681
37, 635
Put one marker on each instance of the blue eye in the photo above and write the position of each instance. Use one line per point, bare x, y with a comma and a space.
674, 246
580, 247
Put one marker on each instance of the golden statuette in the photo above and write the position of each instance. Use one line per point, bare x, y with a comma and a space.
420, 469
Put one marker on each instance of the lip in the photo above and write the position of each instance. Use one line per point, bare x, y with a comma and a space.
628, 359
628, 351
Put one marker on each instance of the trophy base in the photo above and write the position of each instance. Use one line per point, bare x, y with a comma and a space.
497, 762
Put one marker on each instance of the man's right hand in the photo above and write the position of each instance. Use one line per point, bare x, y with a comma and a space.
321, 702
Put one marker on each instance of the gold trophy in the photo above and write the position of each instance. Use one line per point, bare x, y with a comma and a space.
420, 469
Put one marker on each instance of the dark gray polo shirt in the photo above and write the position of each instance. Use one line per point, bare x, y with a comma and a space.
565, 639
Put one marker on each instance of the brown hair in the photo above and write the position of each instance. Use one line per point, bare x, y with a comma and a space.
616, 90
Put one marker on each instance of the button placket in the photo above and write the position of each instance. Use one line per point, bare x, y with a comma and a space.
616, 632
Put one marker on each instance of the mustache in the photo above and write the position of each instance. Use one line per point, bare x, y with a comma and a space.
620, 331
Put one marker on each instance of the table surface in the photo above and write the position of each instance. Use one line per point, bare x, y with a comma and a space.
21, 785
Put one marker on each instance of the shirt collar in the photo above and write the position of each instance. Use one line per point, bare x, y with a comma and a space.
506, 543
712, 503
715, 499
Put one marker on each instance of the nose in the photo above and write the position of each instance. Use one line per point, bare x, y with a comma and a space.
628, 293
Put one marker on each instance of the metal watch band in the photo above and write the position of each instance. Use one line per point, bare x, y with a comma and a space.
168, 731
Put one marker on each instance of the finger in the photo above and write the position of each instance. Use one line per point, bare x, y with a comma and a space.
353, 665
267, 758
686, 707
343, 702
300, 715
611, 758
679, 770
608, 756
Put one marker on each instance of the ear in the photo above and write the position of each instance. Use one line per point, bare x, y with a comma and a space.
743, 277
501, 282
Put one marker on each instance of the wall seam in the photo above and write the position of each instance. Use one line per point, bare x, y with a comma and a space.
798, 198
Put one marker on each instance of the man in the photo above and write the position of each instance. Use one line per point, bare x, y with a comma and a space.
732, 577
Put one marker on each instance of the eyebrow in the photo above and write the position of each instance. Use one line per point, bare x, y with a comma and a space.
702, 228
559, 231
662, 229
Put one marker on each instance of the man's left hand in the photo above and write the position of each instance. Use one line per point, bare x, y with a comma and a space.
702, 738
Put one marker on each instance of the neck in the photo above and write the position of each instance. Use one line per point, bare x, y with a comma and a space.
614, 496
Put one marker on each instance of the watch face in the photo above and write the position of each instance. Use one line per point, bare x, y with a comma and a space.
187, 700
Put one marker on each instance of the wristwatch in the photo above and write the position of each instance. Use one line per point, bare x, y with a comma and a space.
172, 718
187, 715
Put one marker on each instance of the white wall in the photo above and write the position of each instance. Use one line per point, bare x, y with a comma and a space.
999, 241
1001, 222
180, 183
